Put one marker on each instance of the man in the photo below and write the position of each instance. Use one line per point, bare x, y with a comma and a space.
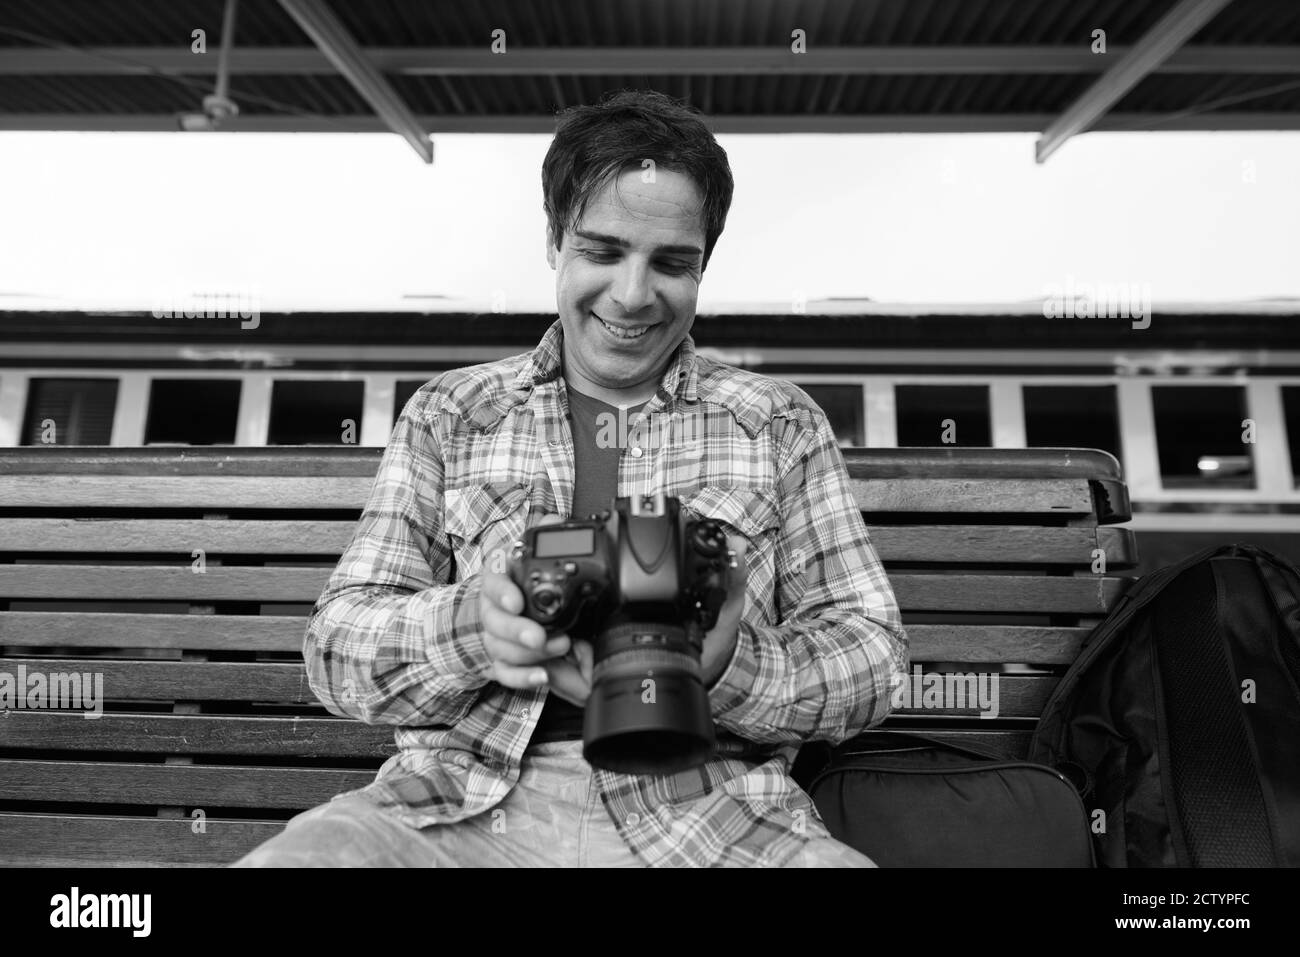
420, 628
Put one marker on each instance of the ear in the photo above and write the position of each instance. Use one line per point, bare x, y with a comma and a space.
550, 247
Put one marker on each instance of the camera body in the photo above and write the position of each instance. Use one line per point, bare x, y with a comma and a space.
643, 584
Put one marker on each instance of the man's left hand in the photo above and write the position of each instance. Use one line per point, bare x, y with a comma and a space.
720, 641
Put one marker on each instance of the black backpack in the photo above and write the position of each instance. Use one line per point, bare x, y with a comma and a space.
1180, 719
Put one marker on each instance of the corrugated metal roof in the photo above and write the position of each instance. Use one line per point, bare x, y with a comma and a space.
98, 94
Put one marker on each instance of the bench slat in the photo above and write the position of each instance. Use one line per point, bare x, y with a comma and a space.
927, 543
995, 496
215, 536
265, 461
129, 681
1004, 593
125, 680
176, 785
196, 734
129, 630
973, 462
944, 460
164, 582
1003, 544
1092, 595
1023, 644
1028, 644
72, 840
60, 491
1018, 696
190, 491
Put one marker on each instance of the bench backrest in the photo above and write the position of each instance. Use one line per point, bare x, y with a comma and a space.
183, 578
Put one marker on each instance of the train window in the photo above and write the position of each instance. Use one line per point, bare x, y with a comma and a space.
315, 412
1199, 436
1072, 416
192, 412
942, 415
1291, 412
402, 393
843, 407
70, 412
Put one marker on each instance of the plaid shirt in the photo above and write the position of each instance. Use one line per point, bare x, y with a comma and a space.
478, 455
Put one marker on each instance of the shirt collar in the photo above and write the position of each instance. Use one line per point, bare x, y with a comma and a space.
680, 381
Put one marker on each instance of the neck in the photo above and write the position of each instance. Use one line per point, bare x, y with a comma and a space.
630, 395
634, 395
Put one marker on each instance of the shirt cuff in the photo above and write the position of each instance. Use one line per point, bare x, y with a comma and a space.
737, 679
455, 628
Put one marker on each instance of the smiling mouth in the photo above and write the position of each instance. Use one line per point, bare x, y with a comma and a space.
635, 332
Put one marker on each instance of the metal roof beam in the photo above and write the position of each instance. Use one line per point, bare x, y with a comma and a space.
332, 39
697, 61
1169, 33
776, 123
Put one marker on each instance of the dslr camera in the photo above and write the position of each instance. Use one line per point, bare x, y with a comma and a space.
642, 584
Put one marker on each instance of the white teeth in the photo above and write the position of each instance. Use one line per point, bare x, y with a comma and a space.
622, 333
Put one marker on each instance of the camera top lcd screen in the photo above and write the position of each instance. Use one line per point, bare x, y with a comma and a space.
569, 541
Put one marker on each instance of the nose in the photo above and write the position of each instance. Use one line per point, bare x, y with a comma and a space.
632, 290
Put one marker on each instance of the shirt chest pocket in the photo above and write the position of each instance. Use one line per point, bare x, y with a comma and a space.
479, 519
752, 514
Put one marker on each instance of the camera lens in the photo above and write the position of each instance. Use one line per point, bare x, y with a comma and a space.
648, 712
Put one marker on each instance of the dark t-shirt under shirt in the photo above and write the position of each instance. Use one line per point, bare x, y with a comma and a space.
595, 483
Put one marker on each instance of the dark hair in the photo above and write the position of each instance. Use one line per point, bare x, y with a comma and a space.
592, 144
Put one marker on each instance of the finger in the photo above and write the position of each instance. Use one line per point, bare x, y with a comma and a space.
514, 628
584, 656
550, 518
739, 545
566, 681
512, 653
516, 676
500, 591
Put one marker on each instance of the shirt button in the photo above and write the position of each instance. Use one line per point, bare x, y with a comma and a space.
524, 713
636, 451
633, 819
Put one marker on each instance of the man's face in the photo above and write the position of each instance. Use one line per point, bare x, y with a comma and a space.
627, 281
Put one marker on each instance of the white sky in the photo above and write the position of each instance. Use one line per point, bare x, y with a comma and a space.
356, 221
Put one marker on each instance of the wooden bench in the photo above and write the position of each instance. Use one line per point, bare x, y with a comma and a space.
184, 576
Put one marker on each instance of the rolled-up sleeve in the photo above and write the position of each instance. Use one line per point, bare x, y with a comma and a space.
828, 670
391, 640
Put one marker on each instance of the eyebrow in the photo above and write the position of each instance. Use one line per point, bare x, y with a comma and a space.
624, 244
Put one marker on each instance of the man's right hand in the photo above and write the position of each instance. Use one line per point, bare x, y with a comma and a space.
521, 655
517, 645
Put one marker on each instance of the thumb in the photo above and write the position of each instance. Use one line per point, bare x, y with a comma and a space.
582, 653
550, 518
739, 546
